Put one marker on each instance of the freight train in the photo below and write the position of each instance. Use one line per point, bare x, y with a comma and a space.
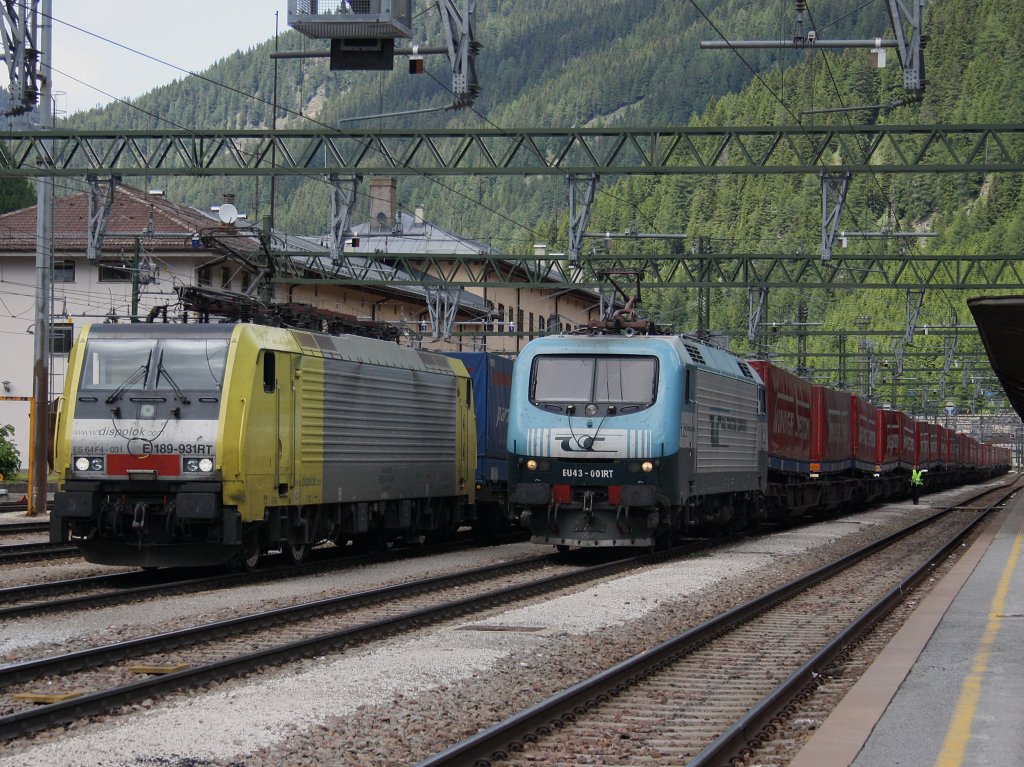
188, 445
635, 441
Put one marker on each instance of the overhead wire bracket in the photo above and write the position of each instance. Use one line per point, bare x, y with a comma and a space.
834, 187
101, 200
581, 198
18, 25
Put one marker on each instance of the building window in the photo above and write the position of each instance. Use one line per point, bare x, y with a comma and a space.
501, 314
225, 278
62, 335
115, 271
63, 271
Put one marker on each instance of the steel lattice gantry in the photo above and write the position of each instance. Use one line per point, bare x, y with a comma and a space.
672, 151
714, 270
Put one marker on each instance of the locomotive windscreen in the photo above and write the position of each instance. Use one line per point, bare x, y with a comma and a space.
195, 364
604, 380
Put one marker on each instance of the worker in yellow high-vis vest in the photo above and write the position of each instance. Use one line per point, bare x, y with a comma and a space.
916, 483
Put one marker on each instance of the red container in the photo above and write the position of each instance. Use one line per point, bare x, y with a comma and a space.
788, 402
942, 454
863, 432
926, 445
887, 451
908, 440
920, 444
831, 441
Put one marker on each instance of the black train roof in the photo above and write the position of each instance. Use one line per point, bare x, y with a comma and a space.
1000, 321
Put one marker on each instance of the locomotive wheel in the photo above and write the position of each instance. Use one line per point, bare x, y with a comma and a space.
296, 553
249, 557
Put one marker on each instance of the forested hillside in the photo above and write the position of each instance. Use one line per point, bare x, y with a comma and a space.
573, 63
974, 62
638, 62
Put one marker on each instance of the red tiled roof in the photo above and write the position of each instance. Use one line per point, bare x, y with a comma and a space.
129, 214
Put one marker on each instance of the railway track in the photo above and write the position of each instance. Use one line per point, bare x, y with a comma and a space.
714, 693
37, 599
23, 528
100, 679
15, 507
34, 552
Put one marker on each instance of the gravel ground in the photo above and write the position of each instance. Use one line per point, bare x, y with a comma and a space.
401, 701
44, 570
47, 635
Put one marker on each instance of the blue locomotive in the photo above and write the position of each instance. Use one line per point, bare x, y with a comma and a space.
620, 441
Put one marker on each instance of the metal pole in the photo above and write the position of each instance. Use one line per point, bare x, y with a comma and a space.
44, 259
136, 264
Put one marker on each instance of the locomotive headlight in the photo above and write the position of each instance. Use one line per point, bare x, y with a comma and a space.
82, 464
88, 463
591, 409
531, 464
647, 467
192, 465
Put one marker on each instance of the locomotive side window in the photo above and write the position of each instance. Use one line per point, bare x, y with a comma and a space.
195, 364
119, 363
600, 380
269, 372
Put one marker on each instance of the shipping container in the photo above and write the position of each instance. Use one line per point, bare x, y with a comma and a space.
831, 441
887, 451
863, 433
788, 407
908, 441
492, 387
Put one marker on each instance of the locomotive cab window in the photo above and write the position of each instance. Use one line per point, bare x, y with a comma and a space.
181, 364
612, 383
195, 365
119, 363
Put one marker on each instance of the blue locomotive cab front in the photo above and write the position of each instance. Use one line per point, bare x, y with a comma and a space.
591, 461
136, 446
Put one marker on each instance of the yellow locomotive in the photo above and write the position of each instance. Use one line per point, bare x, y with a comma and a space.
187, 445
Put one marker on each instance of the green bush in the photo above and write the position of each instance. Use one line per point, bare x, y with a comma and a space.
10, 459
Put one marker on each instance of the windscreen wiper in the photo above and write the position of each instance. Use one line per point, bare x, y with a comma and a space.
139, 374
162, 372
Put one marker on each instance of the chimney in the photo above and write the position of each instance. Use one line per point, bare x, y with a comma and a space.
383, 204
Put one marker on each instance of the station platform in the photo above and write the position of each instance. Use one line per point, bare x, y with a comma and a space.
948, 690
